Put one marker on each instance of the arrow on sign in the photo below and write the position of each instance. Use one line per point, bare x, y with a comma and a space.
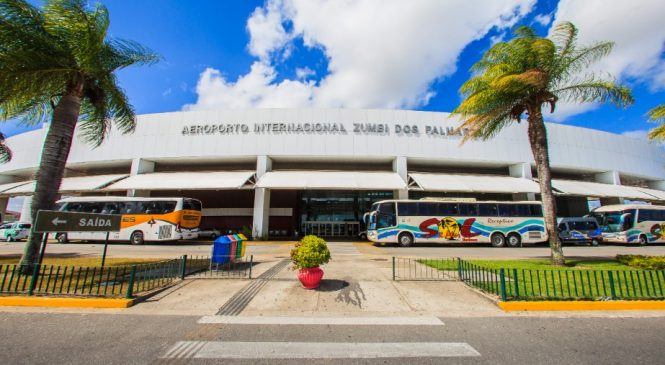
57, 221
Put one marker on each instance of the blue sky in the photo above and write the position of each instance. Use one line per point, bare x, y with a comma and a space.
373, 53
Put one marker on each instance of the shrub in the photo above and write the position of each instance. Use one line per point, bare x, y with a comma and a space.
643, 262
311, 251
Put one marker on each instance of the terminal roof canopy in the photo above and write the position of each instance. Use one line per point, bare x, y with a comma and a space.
345, 180
473, 183
68, 185
592, 189
193, 180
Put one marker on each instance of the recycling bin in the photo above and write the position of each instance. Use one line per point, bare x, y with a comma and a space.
223, 249
228, 248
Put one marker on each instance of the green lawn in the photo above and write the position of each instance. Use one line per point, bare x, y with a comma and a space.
539, 280
82, 261
534, 264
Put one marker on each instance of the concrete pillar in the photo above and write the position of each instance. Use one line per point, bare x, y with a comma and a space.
523, 171
140, 166
612, 178
401, 168
261, 200
25, 209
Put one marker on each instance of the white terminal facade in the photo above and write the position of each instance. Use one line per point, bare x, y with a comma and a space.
291, 171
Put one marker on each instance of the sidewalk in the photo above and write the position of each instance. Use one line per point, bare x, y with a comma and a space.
353, 285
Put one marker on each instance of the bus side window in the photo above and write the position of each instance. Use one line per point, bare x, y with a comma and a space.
523, 210
536, 210
507, 210
487, 210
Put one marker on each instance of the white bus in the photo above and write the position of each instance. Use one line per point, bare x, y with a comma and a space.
631, 223
406, 222
143, 219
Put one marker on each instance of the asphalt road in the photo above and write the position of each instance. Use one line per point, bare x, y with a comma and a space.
30, 338
170, 250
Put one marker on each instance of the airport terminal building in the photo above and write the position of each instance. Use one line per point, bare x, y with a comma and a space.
284, 172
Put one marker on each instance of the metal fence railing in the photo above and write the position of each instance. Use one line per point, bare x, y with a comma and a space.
219, 267
108, 281
425, 269
527, 284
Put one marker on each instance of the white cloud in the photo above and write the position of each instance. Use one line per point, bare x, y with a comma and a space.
543, 19
635, 26
497, 38
305, 72
267, 32
255, 89
381, 53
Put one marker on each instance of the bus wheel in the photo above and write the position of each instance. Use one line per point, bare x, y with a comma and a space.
10, 238
405, 240
642, 241
498, 240
136, 238
61, 237
514, 240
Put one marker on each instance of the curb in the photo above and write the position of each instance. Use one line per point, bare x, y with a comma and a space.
582, 305
19, 301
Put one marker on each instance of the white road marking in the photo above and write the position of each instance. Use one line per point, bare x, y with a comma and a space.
340, 321
317, 350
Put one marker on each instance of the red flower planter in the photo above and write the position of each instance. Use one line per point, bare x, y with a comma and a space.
310, 278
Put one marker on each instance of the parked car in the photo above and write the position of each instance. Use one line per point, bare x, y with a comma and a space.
211, 233
579, 231
189, 234
14, 231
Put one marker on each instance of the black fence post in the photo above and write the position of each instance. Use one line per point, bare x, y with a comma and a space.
251, 263
130, 285
33, 279
393, 268
517, 286
502, 277
183, 267
459, 268
612, 288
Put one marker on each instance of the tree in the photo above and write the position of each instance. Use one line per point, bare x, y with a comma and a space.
57, 61
523, 75
5, 152
657, 114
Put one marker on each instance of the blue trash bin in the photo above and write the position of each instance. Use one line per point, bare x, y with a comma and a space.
222, 249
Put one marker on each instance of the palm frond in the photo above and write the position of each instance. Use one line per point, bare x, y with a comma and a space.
5, 152
594, 90
657, 114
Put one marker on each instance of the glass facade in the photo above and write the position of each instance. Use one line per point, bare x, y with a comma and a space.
337, 206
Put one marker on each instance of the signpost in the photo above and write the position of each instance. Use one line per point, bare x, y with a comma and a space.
55, 221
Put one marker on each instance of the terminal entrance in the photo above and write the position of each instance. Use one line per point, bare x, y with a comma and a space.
336, 213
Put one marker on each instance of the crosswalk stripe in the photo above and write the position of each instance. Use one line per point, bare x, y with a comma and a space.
340, 321
318, 350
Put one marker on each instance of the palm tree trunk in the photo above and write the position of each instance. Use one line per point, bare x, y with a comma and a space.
540, 149
52, 166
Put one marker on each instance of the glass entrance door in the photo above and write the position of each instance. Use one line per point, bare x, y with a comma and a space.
336, 213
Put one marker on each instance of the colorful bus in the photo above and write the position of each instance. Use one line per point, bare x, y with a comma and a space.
631, 223
143, 219
406, 222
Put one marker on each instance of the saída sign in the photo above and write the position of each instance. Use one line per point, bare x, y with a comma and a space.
55, 221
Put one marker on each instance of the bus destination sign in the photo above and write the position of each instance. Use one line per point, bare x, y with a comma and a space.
55, 221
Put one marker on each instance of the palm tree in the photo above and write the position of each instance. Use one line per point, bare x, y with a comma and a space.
657, 114
522, 75
57, 61
5, 152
